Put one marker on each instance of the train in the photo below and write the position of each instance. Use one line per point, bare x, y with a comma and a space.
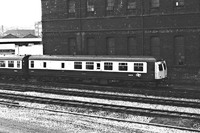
108, 69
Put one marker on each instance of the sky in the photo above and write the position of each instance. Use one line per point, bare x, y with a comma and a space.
19, 13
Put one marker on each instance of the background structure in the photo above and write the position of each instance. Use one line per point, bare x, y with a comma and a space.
168, 29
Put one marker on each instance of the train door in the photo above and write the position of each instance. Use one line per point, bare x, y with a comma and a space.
98, 66
159, 70
165, 68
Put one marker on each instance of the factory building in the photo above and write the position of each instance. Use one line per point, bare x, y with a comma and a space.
168, 29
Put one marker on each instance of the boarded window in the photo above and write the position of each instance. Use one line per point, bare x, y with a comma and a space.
138, 67
2, 64
108, 66
90, 46
123, 67
90, 65
155, 46
72, 46
131, 4
179, 50
77, 65
10, 63
132, 46
179, 3
155, 3
72, 6
110, 46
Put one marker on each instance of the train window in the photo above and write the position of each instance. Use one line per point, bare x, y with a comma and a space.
138, 67
108, 66
10, 63
123, 67
2, 64
32, 64
98, 66
62, 65
90, 65
77, 65
160, 67
18, 64
44, 64
165, 67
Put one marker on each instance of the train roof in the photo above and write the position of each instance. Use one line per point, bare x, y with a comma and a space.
11, 57
93, 58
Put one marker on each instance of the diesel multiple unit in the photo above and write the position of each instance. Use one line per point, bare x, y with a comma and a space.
94, 69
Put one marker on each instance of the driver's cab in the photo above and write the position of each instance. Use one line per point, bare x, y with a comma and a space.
160, 70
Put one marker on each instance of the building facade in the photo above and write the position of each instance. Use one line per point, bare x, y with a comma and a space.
168, 29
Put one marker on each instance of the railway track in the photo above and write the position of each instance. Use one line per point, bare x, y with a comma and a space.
164, 91
104, 106
150, 125
195, 103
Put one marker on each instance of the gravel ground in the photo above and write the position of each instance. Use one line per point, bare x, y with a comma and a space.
31, 120
24, 120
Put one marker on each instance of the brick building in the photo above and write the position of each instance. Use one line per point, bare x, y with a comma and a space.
168, 29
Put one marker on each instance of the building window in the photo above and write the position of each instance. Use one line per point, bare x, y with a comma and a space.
108, 66
90, 65
90, 5
110, 5
110, 42
77, 65
155, 3
32, 64
179, 3
132, 46
155, 47
90, 46
179, 50
131, 4
10, 63
138, 67
2, 64
71, 6
18, 64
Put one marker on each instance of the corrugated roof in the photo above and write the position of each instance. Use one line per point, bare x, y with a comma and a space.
17, 40
11, 57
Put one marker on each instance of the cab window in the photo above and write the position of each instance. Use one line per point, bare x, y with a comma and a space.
160, 67
165, 67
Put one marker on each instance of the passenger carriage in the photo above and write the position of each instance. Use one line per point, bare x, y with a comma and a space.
100, 69
13, 66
